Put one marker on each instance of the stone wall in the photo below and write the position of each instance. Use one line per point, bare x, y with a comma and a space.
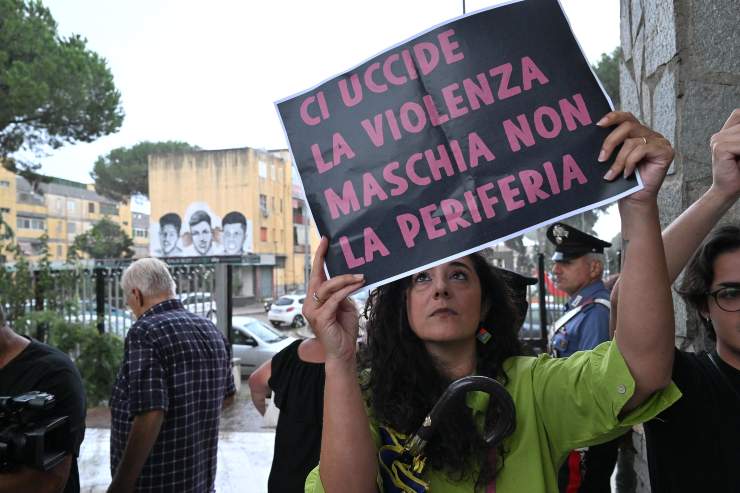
680, 74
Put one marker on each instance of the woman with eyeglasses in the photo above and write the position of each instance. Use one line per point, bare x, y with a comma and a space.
695, 444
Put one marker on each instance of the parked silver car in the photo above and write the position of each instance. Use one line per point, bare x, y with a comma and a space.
254, 342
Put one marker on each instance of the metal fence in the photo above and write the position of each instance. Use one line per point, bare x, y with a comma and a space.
94, 296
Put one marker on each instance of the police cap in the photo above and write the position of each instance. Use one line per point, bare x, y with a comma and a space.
516, 282
571, 243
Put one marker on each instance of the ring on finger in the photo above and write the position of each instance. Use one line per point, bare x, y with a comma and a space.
316, 299
644, 140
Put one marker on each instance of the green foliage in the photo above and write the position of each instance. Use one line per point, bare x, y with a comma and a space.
16, 285
97, 356
100, 358
53, 90
607, 69
105, 239
51, 327
125, 170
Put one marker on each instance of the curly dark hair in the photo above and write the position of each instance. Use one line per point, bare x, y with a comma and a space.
699, 273
405, 382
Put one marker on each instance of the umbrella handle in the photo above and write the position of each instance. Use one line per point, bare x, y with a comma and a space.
502, 428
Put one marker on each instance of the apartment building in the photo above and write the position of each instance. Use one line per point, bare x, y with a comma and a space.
209, 186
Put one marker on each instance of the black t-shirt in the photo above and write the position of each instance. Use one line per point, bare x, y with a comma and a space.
695, 444
46, 369
299, 394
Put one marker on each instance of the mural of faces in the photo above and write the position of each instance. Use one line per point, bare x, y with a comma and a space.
201, 233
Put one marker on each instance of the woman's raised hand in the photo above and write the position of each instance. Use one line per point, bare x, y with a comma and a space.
330, 313
641, 146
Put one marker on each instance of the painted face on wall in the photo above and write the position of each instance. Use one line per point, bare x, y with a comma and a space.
168, 238
202, 237
233, 238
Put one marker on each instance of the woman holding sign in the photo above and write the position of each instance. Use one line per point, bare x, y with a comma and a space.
456, 320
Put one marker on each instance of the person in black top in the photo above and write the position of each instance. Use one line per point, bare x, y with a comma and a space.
700, 434
694, 445
27, 365
296, 376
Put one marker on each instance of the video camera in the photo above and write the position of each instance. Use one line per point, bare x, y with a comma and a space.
27, 436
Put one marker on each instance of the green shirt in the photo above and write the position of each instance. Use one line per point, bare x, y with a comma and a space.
561, 404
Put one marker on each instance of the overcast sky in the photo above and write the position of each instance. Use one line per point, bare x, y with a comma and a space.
208, 72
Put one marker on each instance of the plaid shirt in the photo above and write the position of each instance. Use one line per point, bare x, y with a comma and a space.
177, 362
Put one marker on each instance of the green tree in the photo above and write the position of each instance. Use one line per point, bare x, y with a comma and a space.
53, 90
16, 288
607, 69
105, 239
125, 170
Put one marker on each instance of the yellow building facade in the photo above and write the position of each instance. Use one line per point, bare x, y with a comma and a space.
61, 209
7, 201
255, 183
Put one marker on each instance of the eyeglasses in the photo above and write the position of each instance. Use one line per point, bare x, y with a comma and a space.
728, 298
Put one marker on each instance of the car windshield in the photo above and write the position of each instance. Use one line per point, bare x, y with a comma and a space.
284, 301
263, 332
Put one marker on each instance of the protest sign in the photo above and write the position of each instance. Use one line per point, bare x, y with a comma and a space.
463, 136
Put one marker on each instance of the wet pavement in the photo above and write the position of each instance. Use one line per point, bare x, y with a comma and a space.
245, 446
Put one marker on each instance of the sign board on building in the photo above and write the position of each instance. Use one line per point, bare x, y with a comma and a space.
200, 232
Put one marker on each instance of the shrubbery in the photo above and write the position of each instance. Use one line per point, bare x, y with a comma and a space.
97, 356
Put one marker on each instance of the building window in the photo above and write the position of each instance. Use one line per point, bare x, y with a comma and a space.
91, 207
108, 209
59, 205
281, 205
272, 170
263, 205
71, 206
141, 233
263, 234
71, 228
4, 210
59, 227
4, 184
263, 169
30, 223
59, 250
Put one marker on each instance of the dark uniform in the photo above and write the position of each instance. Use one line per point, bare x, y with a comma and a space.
584, 326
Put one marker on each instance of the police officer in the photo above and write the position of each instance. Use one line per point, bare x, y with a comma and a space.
579, 265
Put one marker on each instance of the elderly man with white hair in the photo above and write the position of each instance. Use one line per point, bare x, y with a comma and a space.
174, 380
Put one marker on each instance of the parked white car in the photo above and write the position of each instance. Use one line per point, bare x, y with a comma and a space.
254, 342
201, 303
287, 310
